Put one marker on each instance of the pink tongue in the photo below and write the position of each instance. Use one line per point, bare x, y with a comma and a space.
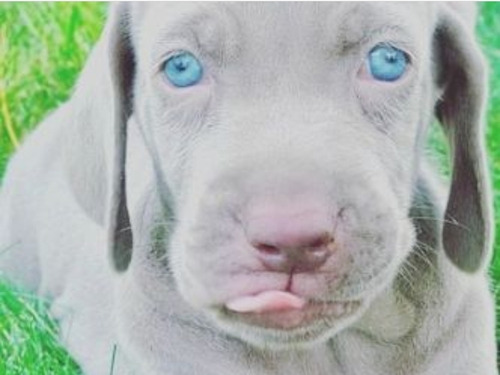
272, 300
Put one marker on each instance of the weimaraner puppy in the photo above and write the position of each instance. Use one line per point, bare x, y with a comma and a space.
241, 189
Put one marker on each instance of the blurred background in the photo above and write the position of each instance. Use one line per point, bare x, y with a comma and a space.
43, 47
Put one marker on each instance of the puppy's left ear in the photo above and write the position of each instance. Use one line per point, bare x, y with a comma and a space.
462, 77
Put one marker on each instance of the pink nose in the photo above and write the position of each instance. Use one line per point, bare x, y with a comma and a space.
290, 238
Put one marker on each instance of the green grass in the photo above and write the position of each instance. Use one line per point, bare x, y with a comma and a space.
43, 46
489, 35
28, 338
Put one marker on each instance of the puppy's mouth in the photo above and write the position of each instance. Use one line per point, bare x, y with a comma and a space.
285, 311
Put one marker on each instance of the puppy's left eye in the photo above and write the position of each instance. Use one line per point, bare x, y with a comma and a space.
183, 70
387, 63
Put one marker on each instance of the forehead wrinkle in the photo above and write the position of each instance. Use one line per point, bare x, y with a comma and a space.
390, 34
204, 27
352, 26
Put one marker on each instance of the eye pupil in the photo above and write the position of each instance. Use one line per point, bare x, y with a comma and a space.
387, 63
181, 64
391, 57
183, 70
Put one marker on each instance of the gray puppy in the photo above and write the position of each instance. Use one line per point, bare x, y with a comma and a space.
240, 188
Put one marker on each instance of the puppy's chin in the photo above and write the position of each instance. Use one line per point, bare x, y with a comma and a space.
298, 328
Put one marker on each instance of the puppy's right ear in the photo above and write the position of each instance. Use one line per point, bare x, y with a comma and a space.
95, 134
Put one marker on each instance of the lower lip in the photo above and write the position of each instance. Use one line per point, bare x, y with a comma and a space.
297, 318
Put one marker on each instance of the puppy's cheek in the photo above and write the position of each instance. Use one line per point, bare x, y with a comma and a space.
187, 284
202, 267
407, 239
377, 241
387, 314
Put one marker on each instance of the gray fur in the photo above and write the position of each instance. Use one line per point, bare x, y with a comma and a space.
123, 207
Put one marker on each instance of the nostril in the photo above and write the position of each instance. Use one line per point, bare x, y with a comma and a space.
320, 243
317, 245
304, 256
267, 249
292, 236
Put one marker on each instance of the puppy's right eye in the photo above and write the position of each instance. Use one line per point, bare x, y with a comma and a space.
183, 70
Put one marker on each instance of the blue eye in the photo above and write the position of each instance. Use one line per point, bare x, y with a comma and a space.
183, 70
387, 63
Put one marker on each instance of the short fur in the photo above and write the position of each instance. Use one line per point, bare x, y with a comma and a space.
123, 207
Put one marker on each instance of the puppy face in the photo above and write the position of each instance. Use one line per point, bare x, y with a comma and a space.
290, 155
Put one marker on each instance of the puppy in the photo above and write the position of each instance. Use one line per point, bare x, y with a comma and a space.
241, 188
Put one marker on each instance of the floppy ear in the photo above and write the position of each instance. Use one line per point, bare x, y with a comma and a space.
95, 134
463, 78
